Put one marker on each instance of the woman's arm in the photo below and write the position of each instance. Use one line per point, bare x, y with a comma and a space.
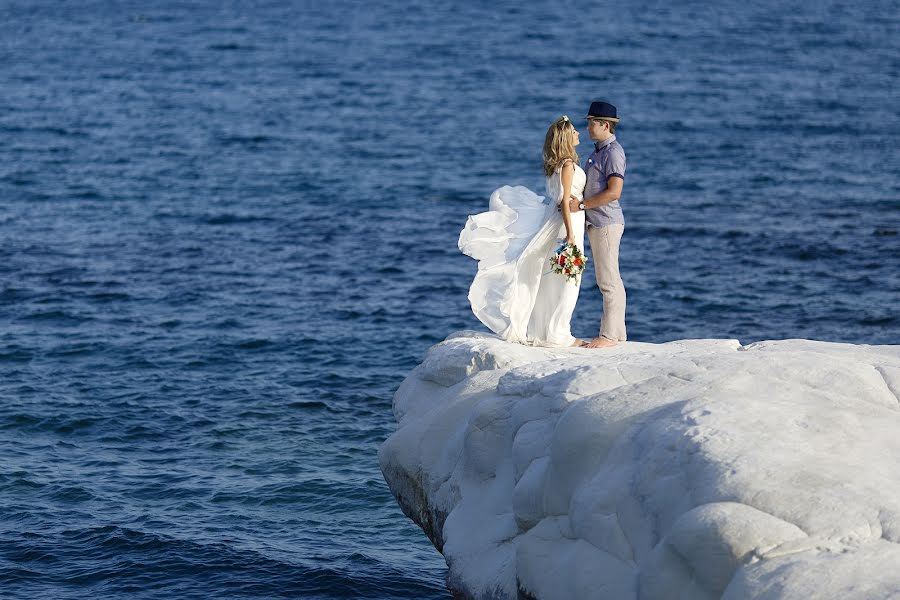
566, 176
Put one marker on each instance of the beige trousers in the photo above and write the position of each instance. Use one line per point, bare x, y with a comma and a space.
605, 248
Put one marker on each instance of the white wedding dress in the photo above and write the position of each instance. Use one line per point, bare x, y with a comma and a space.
515, 293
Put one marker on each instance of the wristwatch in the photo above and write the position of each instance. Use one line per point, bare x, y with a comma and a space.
581, 205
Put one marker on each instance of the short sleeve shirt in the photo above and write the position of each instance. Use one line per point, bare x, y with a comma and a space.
607, 160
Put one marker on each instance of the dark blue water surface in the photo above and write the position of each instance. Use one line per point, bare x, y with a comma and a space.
229, 231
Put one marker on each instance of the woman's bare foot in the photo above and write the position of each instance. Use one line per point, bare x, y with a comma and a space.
602, 342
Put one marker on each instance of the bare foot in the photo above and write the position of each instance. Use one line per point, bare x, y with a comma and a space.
578, 343
602, 342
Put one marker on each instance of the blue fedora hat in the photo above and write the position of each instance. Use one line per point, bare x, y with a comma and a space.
602, 110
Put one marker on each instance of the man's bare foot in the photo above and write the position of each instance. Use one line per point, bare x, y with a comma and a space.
602, 342
578, 343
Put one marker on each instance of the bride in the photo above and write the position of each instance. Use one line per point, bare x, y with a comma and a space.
515, 293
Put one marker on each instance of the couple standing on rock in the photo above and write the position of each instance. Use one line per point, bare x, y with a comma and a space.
514, 293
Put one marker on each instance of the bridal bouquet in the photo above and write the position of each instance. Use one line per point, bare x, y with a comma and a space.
568, 260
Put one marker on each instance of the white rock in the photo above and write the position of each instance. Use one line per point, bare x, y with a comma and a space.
694, 469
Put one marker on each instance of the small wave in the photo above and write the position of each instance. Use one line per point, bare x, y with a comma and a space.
87, 195
18, 482
246, 140
327, 496
58, 131
18, 180
16, 355
732, 234
70, 494
872, 321
75, 350
125, 562
104, 297
19, 421
58, 316
255, 344
308, 405
230, 46
233, 219
811, 252
69, 426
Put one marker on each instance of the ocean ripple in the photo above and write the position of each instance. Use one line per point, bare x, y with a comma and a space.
228, 235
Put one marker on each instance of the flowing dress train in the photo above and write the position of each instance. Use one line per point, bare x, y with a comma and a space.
515, 293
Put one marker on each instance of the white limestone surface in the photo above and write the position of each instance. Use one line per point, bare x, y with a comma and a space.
690, 470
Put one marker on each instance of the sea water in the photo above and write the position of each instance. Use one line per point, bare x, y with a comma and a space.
228, 231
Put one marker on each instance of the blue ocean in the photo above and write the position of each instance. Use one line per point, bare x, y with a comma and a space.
228, 231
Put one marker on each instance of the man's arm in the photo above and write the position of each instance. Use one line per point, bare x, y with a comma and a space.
612, 193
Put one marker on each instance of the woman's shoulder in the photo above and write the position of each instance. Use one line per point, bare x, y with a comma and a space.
571, 164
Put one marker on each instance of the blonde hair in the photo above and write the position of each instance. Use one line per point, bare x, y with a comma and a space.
559, 145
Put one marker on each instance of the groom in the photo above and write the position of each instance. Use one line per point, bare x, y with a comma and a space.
605, 171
